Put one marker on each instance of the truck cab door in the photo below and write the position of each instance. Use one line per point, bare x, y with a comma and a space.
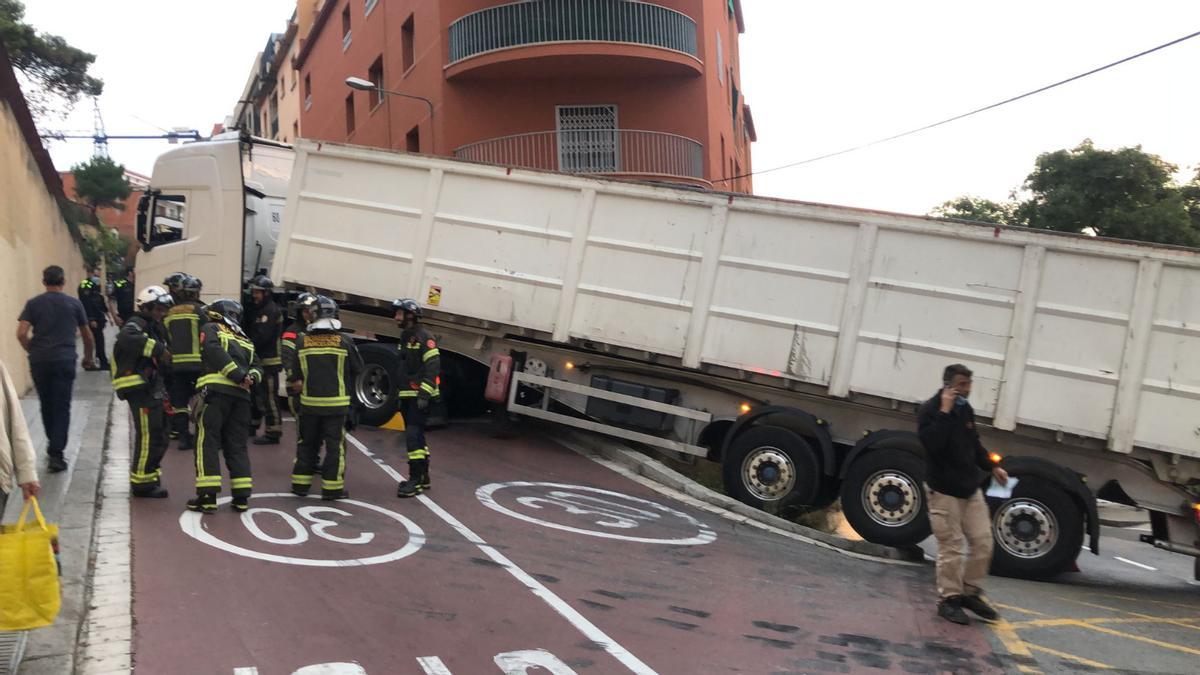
162, 227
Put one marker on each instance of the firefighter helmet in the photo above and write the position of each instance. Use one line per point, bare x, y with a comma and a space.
325, 310
175, 281
262, 282
191, 287
229, 311
407, 305
153, 295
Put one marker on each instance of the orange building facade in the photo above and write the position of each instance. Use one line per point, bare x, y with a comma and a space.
641, 90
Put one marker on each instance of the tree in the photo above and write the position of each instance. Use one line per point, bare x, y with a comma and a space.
58, 71
1124, 193
978, 209
101, 182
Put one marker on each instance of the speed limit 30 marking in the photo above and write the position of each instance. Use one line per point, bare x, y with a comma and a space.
329, 522
613, 515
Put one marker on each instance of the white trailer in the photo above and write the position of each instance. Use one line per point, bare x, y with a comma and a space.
788, 341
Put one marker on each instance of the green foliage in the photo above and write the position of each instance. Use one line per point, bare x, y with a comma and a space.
101, 182
58, 71
103, 244
979, 210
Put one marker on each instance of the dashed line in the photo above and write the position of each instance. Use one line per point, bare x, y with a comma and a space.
432, 665
1071, 657
1134, 563
589, 630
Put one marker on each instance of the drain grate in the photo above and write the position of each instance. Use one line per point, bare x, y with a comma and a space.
12, 647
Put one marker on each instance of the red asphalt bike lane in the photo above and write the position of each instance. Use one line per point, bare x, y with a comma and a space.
521, 545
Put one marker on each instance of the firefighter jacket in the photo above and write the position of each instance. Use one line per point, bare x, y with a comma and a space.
287, 346
328, 363
136, 356
420, 365
183, 334
228, 358
263, 326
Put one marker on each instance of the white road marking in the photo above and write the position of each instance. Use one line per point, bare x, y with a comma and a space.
432, 665
589, 630
1135, 564
520, 663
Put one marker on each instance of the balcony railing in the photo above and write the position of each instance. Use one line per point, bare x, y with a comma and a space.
599, 151
548, 21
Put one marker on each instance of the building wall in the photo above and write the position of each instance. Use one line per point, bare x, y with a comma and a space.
470, 108
290, 97
33, 235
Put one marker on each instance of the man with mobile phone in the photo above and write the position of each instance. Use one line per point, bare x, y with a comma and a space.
956, 466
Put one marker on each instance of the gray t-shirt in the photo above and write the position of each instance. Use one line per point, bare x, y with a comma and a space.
55, 318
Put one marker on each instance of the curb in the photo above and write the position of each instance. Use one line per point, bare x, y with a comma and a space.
658, 472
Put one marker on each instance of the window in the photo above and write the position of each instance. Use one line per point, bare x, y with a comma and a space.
375, 75
733, 96
407, 50
720, 60
412, 140
350, 113
587, 139
346, 27
307, 92
370, 6
168, 213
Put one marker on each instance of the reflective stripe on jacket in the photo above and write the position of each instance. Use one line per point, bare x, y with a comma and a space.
328, 363
228, 359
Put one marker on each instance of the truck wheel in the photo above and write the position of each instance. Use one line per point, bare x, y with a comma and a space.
1038, 531
771, 465
883, 499
375, 386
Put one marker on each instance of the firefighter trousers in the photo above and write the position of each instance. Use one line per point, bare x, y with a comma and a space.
414, 429
149, 444
180, 389
222, 426
266, 403
317, 430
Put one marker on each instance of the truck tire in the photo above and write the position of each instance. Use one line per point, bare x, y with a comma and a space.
771, 465
883, 497
1038, 531
375, 386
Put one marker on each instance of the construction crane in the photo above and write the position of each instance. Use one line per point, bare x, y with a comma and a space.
100, 137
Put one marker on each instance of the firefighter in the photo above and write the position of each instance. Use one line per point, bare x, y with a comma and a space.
420, 386
230, 371
138, 356
174, 284
306, 305
326, 364
183, 335
91, 294
121, 298
263, 324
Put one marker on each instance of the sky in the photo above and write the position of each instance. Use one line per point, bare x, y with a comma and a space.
819, 76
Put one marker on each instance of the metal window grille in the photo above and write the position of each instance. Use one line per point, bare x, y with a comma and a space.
587, 139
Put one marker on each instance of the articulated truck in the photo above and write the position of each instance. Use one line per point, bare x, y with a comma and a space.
789, 342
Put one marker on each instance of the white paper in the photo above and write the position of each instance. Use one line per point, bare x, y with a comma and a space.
1002, 491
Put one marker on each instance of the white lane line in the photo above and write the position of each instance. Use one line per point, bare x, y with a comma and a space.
589, 630
432, 665
1135, 564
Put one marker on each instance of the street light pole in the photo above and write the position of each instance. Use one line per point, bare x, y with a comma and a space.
366, 85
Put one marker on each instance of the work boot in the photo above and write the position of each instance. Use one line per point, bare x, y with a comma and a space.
951, 609
300, 490
57, 465
980, 607
266, 440
333, 495
155, 492
418, 479
203, 504
240, 504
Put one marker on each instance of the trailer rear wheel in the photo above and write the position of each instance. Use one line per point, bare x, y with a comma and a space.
375, 386
771, 465
883, 499
1038, 531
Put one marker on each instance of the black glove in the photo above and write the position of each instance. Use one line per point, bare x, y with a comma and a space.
422, 403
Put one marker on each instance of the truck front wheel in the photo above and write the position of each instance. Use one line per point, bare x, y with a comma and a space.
771, 465
883, 498
375, 387
1038, 530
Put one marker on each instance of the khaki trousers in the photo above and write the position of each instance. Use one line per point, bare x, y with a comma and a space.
963, 529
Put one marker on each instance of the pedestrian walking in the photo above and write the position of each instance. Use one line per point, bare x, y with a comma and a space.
182, 325
264, 324
327, 362
91, 294
54, 318
230, 371
17, 457
140, 355
420, 386
956, 466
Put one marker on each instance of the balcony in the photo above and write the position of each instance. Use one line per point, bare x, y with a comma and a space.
573, 38
649, 155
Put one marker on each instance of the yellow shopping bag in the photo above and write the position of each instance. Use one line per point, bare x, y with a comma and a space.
29, 589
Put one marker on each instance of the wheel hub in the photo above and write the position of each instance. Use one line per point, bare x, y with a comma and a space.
372, 386
768, 473
891, 498
1026, 528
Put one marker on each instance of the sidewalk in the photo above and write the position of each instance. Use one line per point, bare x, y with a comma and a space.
68, 499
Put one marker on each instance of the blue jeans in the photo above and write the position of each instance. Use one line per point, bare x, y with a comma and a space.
54, 381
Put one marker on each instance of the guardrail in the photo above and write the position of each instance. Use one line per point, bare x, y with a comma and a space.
603, 151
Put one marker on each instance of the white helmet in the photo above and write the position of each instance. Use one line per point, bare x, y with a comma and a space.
152, 295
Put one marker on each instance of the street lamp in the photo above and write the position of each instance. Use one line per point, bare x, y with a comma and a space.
366, 85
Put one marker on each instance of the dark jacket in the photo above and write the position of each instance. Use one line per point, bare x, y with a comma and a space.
92, 297
183, 333
228, 358
956, 461
122, 293
328, 363
263, 325
136, 354
420, 365
287, 345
